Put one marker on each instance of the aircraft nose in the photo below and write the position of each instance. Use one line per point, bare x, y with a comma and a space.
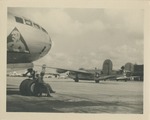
50, 43
45, 45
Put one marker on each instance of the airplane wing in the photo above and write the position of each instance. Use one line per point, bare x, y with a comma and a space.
117, 77
63, 70
122, 77
105, 77
19, 66
86, 74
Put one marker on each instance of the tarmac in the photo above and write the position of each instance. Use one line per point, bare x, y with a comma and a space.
110, 97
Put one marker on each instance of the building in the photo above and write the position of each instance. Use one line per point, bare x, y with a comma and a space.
137, 71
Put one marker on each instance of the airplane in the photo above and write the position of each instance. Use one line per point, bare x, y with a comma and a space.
27, 42
96, 75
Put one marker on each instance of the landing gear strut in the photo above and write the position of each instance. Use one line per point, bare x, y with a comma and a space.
96, 77
27, 85
76, 78
96, 81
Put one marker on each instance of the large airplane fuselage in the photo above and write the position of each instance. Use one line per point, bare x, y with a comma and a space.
81, 76
95, 74
26, 40
84, 76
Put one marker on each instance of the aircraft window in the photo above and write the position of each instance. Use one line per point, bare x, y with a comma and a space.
19, 20
36, 25
28, 22
44, 30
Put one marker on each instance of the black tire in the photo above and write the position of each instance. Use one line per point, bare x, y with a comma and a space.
27, 87
23, 87
96, 81
31, 88
76, 80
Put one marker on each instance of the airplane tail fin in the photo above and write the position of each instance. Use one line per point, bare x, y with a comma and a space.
107, 67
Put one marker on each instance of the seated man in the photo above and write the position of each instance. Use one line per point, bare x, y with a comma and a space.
41, 86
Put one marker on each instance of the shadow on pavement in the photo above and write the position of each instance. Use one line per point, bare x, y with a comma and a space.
13, 91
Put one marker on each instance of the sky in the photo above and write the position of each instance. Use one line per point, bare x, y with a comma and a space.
85, 37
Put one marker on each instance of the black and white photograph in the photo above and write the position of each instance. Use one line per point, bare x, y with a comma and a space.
74, 60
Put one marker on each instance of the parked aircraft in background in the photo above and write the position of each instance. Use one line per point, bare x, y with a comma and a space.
95, 74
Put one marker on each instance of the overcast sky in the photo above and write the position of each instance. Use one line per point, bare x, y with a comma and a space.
85, 37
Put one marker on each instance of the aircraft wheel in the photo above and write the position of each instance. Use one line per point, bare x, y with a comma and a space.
30, 88
96, 81
23, 87
76, 80
27, 87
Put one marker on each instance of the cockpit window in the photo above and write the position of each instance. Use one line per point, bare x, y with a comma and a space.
44, 30
36, 25
28, 22
19, 20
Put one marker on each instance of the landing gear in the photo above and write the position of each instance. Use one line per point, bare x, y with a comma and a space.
27, 87
96, 81
76, 80
96, 76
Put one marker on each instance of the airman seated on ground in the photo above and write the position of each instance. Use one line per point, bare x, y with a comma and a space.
41, 86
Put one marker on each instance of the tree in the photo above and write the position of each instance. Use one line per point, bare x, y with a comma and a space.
122, 69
